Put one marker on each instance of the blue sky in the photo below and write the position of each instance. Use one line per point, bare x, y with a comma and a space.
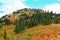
8, 6
40, 3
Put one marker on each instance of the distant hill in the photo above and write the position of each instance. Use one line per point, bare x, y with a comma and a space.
26, 11
29, 23
17, 13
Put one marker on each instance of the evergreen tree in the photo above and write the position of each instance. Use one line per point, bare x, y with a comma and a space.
48, 19
7, 21
56, 20
16, 27
21, 25
0, 25
5, 35
0, 20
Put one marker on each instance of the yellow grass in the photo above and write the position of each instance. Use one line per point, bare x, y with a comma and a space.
36, 33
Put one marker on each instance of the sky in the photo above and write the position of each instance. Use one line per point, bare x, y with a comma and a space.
8, 6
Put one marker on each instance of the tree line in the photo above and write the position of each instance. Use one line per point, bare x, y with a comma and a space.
37, 18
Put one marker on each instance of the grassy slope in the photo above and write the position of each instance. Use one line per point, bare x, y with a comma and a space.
9, 30
49, 32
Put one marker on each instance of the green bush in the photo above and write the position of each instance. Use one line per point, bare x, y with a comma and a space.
11, 38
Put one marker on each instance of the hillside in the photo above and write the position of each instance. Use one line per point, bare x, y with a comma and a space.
48, 32
30, 24
15, 15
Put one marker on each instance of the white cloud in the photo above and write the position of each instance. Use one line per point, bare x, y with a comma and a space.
12, 5
58, 0
53, 7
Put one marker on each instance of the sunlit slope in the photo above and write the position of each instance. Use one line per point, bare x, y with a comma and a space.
48, 32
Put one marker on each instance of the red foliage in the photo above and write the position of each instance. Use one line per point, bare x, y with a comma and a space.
40, 38
12, 20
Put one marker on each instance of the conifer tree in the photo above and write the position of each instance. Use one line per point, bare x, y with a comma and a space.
56, 18
5, 35
7, 21
16, 27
